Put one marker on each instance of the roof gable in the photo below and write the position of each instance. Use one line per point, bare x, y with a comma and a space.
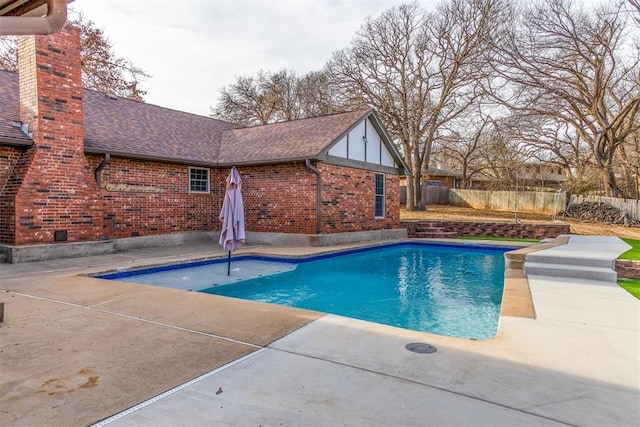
285, 141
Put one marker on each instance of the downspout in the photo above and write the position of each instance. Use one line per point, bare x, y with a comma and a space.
98, 171
52, 22
307, 163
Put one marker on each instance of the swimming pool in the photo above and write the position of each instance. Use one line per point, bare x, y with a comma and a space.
453, 290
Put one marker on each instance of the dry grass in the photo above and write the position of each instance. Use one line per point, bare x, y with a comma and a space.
436, 212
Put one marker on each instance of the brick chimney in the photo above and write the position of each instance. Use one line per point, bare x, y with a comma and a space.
56, 196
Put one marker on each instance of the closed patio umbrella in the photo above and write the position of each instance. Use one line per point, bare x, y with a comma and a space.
232, 216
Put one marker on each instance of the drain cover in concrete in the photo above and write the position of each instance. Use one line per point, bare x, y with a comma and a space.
419, 347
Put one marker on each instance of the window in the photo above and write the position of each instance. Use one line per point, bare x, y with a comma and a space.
379, 201
198, 180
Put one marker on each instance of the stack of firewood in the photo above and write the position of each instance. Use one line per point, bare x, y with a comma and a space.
599, 212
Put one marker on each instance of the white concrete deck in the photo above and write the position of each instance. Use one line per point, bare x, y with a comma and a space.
578, 363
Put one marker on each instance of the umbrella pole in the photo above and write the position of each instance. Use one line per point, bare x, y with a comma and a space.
229, 264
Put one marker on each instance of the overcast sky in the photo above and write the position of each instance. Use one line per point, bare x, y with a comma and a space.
193, 47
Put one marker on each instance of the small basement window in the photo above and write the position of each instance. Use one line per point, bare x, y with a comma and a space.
198, 180
379, 196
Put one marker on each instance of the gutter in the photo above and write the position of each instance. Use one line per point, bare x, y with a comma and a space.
98, 171
307, 163
52, 22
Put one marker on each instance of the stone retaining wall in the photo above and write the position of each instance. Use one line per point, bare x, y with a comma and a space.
628, 269
493, 229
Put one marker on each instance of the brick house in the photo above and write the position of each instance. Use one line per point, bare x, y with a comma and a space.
79, 166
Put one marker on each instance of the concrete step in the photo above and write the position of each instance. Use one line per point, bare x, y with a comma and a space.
601, 274
585, 260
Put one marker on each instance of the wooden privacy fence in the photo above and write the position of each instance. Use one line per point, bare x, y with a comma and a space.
630, 206
431, 195
435, 195
524, 201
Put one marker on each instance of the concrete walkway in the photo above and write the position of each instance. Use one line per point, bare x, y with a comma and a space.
79, 350
582, 257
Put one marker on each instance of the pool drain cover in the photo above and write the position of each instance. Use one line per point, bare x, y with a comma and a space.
419, 347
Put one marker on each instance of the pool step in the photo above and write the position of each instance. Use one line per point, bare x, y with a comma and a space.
589, 272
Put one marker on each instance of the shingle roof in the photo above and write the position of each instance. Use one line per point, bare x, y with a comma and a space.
10, 109
292, 140
123, 127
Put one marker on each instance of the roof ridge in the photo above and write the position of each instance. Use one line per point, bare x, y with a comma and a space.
363, 112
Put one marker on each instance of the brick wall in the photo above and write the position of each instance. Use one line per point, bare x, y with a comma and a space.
9, 157
277, 198
282, 198
493, 229
152, 198
53, 187
348, 197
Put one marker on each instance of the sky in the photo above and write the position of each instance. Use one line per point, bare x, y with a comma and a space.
192, 48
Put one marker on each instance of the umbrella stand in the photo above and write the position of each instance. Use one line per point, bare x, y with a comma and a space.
229, 264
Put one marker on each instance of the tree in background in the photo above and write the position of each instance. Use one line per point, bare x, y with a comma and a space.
270, 97
102, 70
461, 149
576, 69
504, 153
420, 71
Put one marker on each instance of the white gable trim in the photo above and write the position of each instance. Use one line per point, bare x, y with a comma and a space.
366, 142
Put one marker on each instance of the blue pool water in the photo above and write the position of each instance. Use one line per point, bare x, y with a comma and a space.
449, 290
432, 288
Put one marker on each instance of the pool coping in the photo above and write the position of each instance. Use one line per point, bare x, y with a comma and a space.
517, 300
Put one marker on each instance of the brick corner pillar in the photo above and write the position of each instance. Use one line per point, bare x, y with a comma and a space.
57, 199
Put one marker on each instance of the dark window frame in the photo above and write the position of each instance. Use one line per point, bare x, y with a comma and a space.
379, 194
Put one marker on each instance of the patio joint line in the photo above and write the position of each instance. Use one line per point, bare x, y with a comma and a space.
360, 368
126, 316
174, 390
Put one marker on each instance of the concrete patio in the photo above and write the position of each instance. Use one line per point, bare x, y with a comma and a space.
76, 350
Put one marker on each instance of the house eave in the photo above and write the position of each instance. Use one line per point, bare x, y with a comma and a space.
149, 158
16, 142
276, 161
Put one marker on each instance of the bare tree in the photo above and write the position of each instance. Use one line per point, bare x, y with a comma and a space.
464, 144
317, 95
272, 97
420, 71
635, 10
628, 159
9, 53
102, 70
576, 69
249, 101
